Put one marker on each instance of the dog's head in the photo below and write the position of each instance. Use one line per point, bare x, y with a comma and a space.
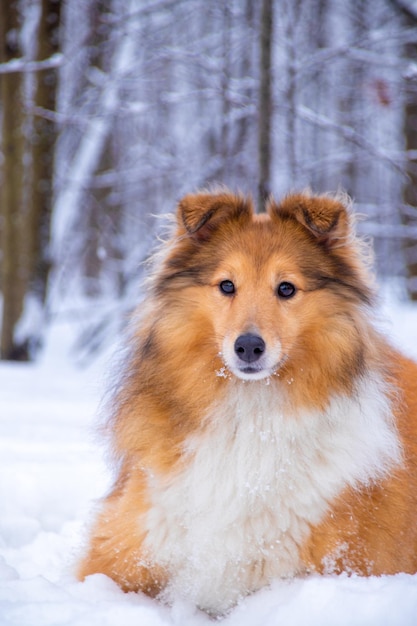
273, 287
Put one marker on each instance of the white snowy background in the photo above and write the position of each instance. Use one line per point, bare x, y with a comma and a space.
52, 471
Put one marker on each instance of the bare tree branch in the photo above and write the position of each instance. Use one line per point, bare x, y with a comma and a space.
22, 65
409, 7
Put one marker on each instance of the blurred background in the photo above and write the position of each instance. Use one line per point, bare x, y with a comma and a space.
111, 110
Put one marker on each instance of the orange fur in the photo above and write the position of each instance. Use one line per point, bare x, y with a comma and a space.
320, 344
376, 527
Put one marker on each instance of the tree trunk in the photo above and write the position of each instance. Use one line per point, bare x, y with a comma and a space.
265, 104
102, 261
43, 143
409, 210
409, 215
11, 192
25, 210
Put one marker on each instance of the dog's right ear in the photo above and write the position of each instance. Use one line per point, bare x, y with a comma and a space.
200, 214
325, 217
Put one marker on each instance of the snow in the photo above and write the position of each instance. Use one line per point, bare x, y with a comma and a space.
51, 472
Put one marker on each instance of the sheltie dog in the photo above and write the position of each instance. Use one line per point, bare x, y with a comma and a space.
263, 427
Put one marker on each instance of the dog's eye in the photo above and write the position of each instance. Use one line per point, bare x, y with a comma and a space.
227, 287
286, 290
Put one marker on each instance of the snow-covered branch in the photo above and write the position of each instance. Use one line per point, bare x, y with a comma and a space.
23, 65
92, 143
350, 134
388, 231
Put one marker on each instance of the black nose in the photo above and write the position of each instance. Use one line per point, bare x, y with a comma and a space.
249, 347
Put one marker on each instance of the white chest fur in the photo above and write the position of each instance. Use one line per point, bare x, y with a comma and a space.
233, 519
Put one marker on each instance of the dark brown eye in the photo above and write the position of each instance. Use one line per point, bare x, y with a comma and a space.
227, 287
286, 290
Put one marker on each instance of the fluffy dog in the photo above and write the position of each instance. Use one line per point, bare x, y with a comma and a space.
262, 427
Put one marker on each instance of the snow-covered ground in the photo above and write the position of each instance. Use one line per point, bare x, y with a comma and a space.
51, 471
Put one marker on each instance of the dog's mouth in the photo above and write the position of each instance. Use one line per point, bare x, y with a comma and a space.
252, 372
249, 372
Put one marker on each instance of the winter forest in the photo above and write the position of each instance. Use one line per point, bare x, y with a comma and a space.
112, 110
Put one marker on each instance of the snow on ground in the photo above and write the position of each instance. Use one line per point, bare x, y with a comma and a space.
51, 471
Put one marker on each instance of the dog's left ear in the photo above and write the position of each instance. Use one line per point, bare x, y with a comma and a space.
200, 214
325, 217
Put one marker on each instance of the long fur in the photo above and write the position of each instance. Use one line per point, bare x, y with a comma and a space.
234, 471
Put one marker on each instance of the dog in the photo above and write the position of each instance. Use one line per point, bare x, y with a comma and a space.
263, 427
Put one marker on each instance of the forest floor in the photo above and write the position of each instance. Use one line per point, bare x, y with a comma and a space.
52, 471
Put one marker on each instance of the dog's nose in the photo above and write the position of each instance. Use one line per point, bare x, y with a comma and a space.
249, 347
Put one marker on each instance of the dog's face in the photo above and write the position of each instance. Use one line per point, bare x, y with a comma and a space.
256, 298
273, 287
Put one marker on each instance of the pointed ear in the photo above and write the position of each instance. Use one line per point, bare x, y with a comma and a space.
325, 217
200, 214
